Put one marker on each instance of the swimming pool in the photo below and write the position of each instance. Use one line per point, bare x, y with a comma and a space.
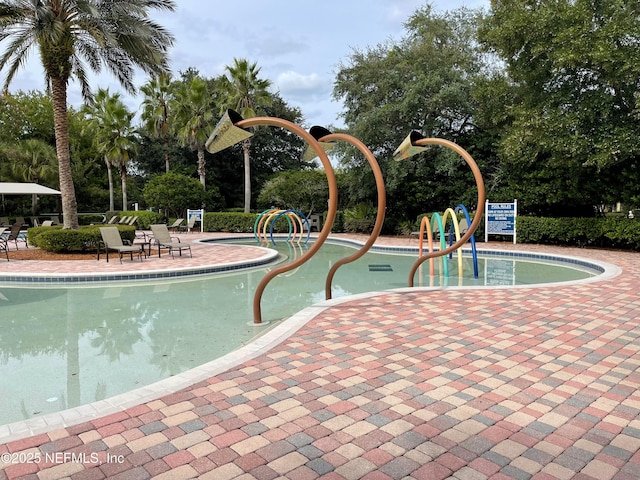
66, 346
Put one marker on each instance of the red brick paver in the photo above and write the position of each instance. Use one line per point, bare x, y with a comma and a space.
498, 383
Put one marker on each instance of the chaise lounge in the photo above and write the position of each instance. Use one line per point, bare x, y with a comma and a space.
164, 240
17, 234
113, 241
4, 244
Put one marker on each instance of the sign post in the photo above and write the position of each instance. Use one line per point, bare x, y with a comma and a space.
199, 214
500, 219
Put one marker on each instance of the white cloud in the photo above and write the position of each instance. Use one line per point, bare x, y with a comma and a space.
295, 84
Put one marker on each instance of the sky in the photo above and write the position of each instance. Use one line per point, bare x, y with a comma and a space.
298, 45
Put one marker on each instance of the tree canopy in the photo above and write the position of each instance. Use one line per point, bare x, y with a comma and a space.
544, 95
574, 71
71, 35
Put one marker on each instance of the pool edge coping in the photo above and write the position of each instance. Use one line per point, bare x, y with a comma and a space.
66, 279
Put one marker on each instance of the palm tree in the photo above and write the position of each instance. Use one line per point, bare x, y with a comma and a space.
109, 121
247, 93
158, 94
71, 35
193, 108
31, 160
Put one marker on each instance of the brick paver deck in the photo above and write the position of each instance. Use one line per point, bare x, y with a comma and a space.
537, 383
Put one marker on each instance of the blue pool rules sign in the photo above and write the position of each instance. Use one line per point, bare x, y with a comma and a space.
500, 219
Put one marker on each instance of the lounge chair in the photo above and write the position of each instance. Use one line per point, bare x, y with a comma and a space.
176, 225
4, 244
164, 240
124, 220
132, 221
4, 222
16, 234
191, 223
113, 220
437, 233
463, 225
113, 241
47, 223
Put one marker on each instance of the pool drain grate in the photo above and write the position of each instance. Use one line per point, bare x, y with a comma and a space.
380, 268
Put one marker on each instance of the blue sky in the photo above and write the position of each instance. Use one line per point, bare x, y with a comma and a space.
298, 44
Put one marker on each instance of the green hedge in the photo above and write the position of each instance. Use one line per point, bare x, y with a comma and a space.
238, 222
608, 232
229, 222
359, 225
605, 232
338, 222
90, 218
86, 238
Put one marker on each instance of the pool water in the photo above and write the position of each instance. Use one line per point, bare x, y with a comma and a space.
64, 347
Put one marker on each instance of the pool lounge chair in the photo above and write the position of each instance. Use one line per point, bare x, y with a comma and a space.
176, 225
191, 223
4, 244
17, 234
113, 241
164, 240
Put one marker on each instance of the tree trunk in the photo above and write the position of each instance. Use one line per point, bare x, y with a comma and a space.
246, 148
201, 165
123, 179
34, 204
112, 203
166, 156
61, 127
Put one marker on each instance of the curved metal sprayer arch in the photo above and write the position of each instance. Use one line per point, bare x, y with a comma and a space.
479, 209
331, 212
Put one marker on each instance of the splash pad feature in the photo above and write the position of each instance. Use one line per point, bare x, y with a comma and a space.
267, 219
436, 225
415, 143
232, 129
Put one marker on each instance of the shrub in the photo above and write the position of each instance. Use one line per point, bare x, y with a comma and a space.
34, 233
302, 190
175, 193
360, 219
609, 232
240, 223
229, 222
90, 218
338, 222
358, 225
58, 240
